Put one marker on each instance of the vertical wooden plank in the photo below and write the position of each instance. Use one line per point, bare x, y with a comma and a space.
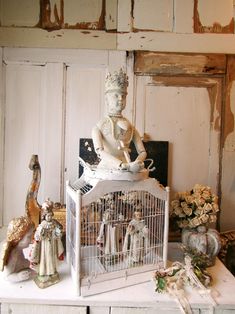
183, 16
51, 133
1, 11
2, 114
163, 113
169, 117
23, 99
23, 13
78, 264
116, 60
140, 110
33, 126
129, 112
156, 15
227, 217
84, 103
111, 15
124, 15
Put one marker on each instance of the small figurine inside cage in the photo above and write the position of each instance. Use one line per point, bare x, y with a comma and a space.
136, 242
13, 263
47, 248
109, 236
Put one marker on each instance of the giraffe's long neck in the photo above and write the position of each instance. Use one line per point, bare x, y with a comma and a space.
32, 207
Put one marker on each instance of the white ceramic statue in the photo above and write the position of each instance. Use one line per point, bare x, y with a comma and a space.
136, 242
113, 134
13, 262
109, 233
47, 248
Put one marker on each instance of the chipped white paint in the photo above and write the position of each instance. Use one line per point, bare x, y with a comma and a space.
84, 105
65, 38
228, 191
183, 16
153, 15
35, 115
229, 145
228, 178
124, 16
19, 13
211, 11
1, 136
170, 42
33, 125
55, 4
181, 116
68, 56
111, 14
82, 11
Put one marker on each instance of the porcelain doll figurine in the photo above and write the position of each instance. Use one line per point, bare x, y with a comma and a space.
113, 134
110, 234
47, 248
13, 263
136, 242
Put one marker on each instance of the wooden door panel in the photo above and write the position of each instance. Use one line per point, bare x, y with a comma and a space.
187, 113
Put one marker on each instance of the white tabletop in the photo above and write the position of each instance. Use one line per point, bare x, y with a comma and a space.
142, 295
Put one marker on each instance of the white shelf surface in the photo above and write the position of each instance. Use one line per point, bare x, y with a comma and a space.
141, 295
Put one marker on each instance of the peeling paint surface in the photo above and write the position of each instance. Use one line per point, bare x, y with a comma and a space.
82, 14
229, 144
218, 20
19, 13
153, 15
229, 122
174, 64
51, 14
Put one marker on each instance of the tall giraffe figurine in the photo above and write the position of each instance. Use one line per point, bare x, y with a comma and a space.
32, 207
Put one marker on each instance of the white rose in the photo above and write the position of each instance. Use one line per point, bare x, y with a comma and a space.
175, 203
204, 218
198, 188
179, 212
212, 218
202, 201
207, 207
183, 223
189, 199
188, 211
206, 194
199, 211
215, 208
194, 222
184, 204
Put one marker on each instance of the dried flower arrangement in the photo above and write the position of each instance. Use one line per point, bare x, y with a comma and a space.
194, 208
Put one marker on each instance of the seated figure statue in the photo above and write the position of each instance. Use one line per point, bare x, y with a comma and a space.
113, 134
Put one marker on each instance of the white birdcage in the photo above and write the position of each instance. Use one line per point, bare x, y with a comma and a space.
117, 232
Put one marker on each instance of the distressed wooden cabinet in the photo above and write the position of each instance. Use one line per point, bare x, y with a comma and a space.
27, 298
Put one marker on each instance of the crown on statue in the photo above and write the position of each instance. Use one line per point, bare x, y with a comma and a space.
116, 81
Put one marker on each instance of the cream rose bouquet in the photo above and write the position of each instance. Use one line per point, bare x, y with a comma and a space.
194, 208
